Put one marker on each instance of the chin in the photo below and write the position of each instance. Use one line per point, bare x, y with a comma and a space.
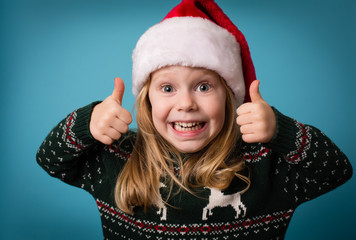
189, 149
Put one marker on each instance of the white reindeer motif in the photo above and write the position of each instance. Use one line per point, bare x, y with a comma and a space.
162, 209
218, 199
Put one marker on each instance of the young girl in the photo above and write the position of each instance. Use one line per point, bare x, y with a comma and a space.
195, 169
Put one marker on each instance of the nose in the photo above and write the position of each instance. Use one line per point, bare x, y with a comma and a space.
186, 102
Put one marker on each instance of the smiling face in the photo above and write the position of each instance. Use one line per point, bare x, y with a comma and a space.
188, 106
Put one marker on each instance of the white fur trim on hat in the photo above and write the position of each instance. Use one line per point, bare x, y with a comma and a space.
188, 41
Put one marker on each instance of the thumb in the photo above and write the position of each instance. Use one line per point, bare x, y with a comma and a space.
255, 94
119, 90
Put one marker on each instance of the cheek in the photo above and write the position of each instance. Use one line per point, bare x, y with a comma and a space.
216, 107
216, 111
219, 116
159, 113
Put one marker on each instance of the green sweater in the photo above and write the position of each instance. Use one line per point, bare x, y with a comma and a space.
299, 164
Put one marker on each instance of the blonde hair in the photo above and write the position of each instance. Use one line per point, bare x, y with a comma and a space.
154, 159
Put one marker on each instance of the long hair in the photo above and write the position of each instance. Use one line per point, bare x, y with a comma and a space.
154, 159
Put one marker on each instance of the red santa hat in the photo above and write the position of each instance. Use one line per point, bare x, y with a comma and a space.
196, 33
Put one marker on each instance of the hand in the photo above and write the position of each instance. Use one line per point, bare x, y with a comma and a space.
256, 118
109, 120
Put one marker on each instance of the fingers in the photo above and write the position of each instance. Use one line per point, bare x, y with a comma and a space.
109, 120
119, 90
244, 119
108, 128
255, 132
124, 115
110, 138
117, 118
244, 109
256, 119
107, 134
255, 96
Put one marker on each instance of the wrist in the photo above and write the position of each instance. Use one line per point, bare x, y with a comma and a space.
81, 128
284, 135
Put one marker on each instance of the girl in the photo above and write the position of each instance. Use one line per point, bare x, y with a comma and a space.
195, 169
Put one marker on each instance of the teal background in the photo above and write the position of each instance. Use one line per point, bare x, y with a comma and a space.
58, 55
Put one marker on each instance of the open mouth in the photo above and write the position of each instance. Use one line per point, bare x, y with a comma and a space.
188, 126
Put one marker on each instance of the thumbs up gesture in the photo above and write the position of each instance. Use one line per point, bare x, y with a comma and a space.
256, 119
109, 120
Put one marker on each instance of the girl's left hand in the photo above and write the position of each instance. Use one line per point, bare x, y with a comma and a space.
256, 118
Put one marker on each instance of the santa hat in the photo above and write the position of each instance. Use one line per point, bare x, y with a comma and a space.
196, 33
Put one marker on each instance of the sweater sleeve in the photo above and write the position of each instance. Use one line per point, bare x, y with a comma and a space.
70, 153
315, 165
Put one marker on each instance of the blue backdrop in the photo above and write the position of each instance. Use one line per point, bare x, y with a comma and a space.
58, 55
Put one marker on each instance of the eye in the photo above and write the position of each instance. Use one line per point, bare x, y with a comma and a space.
203, 87
167, 88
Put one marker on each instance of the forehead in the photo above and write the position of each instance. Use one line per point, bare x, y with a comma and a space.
173, 70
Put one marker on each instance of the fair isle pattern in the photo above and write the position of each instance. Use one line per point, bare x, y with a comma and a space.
118, 151
69, 136
257, 154
62, 135
155, 230
295, 156
297, 166
302, 144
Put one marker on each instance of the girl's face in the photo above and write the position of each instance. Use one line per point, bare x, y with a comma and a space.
188, 106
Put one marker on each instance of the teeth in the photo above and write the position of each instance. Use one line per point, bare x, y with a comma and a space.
184, 126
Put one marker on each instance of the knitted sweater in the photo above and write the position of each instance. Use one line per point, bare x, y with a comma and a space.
299, 164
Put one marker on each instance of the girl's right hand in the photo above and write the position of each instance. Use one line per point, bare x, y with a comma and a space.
109, 120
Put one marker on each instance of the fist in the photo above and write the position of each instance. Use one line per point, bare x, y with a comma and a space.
109, 120
256, 119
